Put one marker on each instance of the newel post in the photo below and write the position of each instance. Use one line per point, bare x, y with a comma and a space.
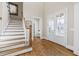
29, 28
30, 36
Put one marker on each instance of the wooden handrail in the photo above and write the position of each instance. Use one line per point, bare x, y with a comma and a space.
30, 36
23, 20
30, 32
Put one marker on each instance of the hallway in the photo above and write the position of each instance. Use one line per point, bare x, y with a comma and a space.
42, 47
22, 21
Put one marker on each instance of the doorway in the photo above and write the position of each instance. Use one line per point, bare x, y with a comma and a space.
36, 27
57, 27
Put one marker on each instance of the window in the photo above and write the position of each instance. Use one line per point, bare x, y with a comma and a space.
60, 24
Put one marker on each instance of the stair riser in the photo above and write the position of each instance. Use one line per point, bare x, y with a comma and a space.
12, 34
14, 30
12, 44
14, 26
12, 38
9, 42
11, 47
21, 52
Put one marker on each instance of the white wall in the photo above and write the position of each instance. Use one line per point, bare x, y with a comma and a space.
51, 8
45, 10
33, 9
5, 16
76, 33
0, 9
0, 16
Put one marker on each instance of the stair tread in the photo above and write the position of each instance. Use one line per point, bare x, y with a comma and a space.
12, 47
11, 51
13, 39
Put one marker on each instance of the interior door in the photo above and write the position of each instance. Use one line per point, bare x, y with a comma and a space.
36, 27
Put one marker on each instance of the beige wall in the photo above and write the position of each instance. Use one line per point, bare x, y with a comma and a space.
20, 11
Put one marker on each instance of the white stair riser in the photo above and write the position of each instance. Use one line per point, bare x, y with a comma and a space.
11, 47
15, 25
9, 42
14, 37
12, 44
14, 30
11, 37
13, 33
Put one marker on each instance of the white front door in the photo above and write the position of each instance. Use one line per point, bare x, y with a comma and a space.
57, 27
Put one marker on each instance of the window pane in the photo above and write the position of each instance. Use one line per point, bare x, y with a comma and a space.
60, 25
51, 25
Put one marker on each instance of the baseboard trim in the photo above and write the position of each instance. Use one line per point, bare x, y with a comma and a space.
76, 52
20, 52
44, 38
70, 47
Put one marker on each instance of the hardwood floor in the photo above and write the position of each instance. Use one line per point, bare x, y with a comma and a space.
47, 48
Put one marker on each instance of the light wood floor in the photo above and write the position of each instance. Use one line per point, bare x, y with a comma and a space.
47, 48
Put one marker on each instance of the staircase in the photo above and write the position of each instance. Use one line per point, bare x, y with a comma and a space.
12, 42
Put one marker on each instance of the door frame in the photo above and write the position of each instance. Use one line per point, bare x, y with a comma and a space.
40, 22
65, 35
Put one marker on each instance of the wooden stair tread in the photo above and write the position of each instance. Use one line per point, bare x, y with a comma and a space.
11, 51
13, 44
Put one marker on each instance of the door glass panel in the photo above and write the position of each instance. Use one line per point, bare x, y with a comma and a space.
51, 29
60, 25
36, 27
